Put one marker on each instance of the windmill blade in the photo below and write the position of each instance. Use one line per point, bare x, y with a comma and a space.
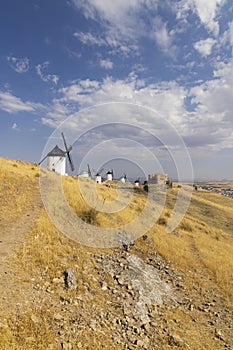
89, 170
42, 160
70, 161
65, 144
112, 174
68, 149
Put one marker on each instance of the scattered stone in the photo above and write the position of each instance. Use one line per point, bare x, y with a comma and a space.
218, 334
58, 317
125, 240
104, 286
56, 280
66, 346
70, 279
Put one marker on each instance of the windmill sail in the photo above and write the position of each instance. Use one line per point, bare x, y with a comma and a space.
68, 152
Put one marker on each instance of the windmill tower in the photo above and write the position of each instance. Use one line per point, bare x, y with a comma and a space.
123, 179
98, 176
110, 175
56, 158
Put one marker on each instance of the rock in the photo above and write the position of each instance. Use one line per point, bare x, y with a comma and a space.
58, 317
56, 280
70, 278
66, 346
104, 286
146, 327
218, 334
125, 240
121, 280
140, 343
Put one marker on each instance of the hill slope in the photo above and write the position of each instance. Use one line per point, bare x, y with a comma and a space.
167, 291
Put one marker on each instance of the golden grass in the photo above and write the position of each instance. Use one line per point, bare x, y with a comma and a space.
201, 243
100, 205
216, 253
17, 180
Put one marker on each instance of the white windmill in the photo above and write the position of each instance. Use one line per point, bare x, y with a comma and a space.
98, 176
109, 175
56, 158
123, 179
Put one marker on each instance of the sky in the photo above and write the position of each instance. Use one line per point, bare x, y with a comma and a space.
146, 82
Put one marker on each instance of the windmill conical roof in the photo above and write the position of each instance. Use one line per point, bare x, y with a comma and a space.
56, 152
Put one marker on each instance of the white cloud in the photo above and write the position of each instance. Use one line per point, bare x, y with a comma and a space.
12, 104
46, 77
231, 33
214, 99
124, 24
109, 39
208, 126
206, 10
163, 37
20, 65
14, 126
90, 39
227, 37
107, 64
204, 47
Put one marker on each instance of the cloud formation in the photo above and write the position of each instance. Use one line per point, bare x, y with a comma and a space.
125, 23
204, 47
209, 110
206, 11
107, 63
12, 104
20, 65
46, 77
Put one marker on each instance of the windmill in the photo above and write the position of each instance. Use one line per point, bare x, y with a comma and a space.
98, 176
56, 158
110, 175
123, 179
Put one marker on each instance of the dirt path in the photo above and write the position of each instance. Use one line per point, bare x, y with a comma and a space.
12, 236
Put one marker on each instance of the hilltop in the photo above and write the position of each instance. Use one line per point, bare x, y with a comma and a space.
165, 291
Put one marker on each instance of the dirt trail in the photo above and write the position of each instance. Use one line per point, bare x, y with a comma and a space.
12, 236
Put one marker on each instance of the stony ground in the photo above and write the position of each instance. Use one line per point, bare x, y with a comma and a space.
146, 305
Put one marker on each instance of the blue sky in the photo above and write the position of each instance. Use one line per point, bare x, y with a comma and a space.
162, 67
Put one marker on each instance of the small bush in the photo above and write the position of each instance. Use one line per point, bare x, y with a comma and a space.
90, 216
162, 221
185, 225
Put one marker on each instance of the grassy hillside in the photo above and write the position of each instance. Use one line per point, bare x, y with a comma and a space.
195, 262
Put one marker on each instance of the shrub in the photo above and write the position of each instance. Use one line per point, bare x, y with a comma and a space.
90, 216
185, 225
162, 221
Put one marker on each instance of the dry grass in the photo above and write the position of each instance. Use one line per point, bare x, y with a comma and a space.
100, 205
201, 243
17, 180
